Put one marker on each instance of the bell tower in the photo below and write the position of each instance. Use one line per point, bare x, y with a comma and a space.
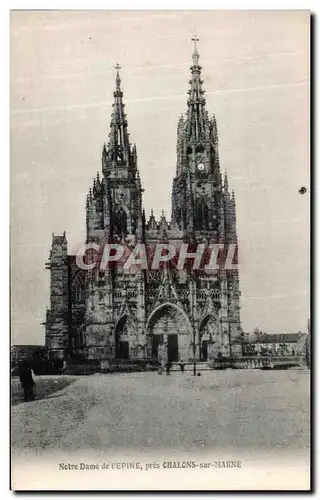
205, 211
114, 215
197, 184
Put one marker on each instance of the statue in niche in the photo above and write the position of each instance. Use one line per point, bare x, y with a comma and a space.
125, 331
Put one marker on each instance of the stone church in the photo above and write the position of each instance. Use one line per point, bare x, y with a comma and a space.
170, 313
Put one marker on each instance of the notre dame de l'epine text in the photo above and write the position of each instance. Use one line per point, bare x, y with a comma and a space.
186, 314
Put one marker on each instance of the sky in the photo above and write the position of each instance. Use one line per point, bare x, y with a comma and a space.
256, 77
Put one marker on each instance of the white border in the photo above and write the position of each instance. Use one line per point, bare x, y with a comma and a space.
164, 5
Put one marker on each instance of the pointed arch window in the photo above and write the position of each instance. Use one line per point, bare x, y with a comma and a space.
77, 289
201, 215
100, 204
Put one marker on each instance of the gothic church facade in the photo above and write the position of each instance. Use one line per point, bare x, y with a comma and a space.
112, 314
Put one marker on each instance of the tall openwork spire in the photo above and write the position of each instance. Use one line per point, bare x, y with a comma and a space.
196, 101
118, 146
118, 153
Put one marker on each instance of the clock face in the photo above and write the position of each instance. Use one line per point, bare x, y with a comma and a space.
200, 167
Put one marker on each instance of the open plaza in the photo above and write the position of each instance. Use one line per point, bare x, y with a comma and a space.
240, 410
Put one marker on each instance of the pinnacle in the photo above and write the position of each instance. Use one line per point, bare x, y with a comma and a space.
226, 184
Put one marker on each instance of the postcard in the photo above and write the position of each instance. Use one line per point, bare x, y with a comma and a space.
160, 233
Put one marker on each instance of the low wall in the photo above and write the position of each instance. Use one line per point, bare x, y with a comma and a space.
90, 366
86, 367
258, 362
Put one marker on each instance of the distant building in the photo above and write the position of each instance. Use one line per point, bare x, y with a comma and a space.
279, 344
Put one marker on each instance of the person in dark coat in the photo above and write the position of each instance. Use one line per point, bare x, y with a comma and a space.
27, 382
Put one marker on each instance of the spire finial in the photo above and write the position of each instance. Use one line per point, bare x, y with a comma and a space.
195, 55
195, 39
118, 79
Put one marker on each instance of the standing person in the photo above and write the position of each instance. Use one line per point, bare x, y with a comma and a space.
27, 382
182, 365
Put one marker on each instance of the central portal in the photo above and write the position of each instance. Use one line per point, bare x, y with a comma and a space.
170, 333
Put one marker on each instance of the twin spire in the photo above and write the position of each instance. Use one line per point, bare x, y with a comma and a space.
119, 137
119, 148
196, 134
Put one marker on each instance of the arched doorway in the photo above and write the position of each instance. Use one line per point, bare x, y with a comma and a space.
169, 330
208, 336
122, 338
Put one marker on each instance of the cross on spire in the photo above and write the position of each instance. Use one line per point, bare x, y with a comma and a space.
195, 55
195, 39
